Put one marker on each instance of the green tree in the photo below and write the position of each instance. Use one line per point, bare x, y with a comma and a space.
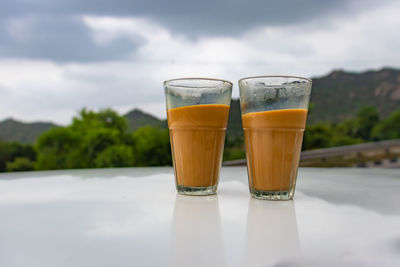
343, 140
95, 141
57, 149
101, 139
87, 142
152, 147
318, 135
388, 128
346, 128
232, 153
115, 156
106, 118
349, 132
9, 151
367, 118
20, 164
345, 133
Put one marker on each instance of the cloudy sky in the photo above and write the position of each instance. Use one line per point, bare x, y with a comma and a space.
59, 56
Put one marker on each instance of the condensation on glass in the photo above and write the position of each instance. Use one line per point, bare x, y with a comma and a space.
197, 111
274, 112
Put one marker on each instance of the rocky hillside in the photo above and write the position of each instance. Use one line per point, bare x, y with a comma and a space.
26, 133
339, 95
335, 97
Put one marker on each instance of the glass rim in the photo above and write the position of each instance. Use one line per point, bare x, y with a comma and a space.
275, 76
196, 78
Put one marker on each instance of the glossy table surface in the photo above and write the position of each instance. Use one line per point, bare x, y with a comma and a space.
133, 217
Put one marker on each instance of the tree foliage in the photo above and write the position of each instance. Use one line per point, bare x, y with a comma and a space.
100, 139
367, 118
115, 156
57, 149
152, 147
351, 131
388, 128
10, 151
20, 164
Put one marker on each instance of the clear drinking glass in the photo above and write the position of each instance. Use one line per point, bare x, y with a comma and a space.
274, 112
197, 111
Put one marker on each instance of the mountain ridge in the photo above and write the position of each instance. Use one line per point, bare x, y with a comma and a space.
340, 94
136, 118
23, 132
335, 97
12, 130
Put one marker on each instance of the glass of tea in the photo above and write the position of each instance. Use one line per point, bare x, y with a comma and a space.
274, 112
197, 112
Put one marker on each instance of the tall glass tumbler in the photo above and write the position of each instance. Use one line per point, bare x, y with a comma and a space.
274, 112
197, 111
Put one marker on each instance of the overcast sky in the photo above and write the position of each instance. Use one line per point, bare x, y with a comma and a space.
59, 56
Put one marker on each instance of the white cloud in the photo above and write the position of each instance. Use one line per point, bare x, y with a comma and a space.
33, 89
107, 29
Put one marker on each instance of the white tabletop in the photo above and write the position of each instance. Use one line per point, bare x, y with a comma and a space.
133, 217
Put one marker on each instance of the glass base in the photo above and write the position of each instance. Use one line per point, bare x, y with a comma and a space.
272, 195
197, 191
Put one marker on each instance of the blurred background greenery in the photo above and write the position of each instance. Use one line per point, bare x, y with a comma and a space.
102, 139
345, 109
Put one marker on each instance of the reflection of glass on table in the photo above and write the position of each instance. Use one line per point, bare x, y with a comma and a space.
271, 234
196, 234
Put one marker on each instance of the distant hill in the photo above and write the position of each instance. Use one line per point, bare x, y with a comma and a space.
339, 95
137, 118
26, 133
335, 97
